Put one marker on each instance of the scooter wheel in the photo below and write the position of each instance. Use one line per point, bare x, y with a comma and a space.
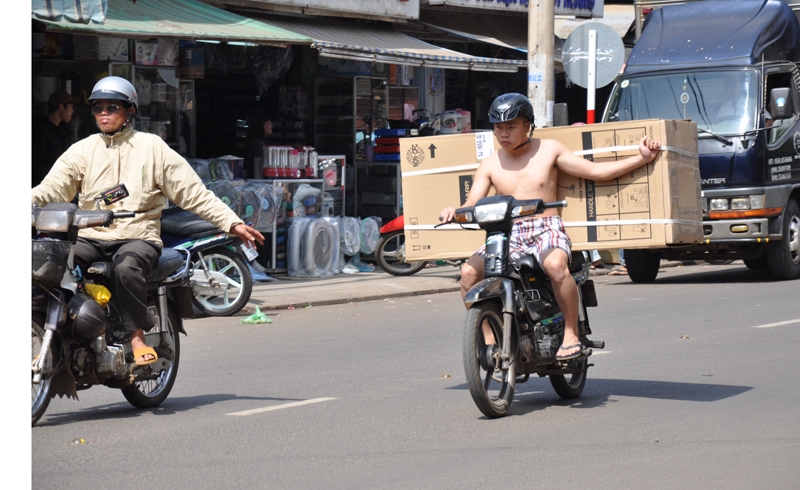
391, 255
238, 278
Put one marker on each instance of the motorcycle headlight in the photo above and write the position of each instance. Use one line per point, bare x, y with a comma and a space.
53, 220
490, 213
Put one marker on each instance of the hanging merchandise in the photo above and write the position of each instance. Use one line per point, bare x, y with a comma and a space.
436, 82
313, 247
268, 64
224, 190
370, 234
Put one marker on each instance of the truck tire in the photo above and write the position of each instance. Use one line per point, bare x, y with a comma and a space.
783, 256
642, 265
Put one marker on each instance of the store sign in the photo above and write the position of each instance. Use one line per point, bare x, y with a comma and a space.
577, 8
399, 9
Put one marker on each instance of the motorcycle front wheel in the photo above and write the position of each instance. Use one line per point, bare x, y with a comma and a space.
492, 388
40, 392
149, 393
391, 255
240, 283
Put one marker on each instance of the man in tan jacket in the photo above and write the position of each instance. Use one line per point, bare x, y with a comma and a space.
153, 173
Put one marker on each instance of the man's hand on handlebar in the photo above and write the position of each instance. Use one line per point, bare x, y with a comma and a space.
447, 215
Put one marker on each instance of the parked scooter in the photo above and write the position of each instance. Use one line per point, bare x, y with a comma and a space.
221, 283
77, 336
517, 301
390, 252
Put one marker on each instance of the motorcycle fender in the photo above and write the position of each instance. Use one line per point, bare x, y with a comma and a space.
183, 298
393, 225
493, 287
205, 243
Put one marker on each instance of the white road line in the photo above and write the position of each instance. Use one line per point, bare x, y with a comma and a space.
278, 407
778, 324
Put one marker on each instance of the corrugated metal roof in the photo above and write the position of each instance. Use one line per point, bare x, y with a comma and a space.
380, 43
184, 19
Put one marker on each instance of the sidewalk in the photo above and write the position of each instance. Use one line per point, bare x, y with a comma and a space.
300, 292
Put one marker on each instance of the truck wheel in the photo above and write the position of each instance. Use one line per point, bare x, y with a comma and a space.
783, 256
758, 264
642, 265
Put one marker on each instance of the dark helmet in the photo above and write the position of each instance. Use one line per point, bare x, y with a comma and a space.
89, 319
115, 88
510, 106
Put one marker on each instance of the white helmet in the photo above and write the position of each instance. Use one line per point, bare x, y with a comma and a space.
115, 88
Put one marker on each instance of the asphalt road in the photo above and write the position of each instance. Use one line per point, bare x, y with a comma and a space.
697, 388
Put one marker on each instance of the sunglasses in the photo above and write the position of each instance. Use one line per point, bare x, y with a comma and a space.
99, 109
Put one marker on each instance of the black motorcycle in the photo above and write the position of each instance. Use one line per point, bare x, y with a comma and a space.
221, 282
517, 301
77, 335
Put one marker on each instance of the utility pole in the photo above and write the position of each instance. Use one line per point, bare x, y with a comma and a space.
541, 67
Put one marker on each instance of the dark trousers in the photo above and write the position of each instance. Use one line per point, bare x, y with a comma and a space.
132, 261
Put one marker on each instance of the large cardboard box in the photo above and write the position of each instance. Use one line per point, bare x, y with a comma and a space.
651, 207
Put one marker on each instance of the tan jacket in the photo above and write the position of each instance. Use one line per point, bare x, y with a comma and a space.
152, 173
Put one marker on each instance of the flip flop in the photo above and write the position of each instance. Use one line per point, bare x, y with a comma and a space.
143, 351
618, 272
569, 356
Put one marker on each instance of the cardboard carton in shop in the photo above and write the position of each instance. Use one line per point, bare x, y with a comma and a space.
651, 207
192, 63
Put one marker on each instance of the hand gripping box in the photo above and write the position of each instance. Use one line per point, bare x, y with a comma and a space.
654, 206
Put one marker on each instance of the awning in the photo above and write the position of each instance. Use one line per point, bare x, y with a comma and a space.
510, 32
184, 19
380, 43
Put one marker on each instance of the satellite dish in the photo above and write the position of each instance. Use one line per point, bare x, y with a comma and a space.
610, 55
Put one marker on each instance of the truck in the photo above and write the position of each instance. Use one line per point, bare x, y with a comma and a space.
732, 67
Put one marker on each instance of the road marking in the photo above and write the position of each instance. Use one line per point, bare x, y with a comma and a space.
778, 324
278, 407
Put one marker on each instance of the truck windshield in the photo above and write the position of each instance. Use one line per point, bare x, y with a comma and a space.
721, 102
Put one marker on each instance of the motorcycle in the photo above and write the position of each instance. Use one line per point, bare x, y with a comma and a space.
221, 283
518, 302
77, 336
390, 252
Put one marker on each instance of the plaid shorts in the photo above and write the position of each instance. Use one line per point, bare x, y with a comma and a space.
533, 236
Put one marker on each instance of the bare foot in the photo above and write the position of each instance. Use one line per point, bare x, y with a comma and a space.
570, 347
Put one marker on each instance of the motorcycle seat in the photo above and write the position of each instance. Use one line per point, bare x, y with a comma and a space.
528, 262
179, 222
170, 261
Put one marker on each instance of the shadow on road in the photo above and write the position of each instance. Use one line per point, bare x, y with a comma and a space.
709, 274
124, 410
533, 397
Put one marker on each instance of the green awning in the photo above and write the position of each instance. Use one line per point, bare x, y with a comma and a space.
183, 19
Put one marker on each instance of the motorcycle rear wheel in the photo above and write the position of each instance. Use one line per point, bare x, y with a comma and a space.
572, 387
40, 393
492, 389
240, 283
390, 254
151, 393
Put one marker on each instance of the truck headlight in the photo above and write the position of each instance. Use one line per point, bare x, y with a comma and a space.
757, 201
718, 205
740, 203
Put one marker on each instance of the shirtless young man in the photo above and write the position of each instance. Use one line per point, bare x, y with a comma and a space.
527, 168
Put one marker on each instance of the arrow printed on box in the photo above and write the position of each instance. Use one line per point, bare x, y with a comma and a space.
432, 148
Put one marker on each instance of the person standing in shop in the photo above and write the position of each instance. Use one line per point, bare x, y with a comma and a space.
49, 134
261, 129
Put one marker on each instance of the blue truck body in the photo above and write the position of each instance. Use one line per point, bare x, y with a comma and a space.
731, 66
